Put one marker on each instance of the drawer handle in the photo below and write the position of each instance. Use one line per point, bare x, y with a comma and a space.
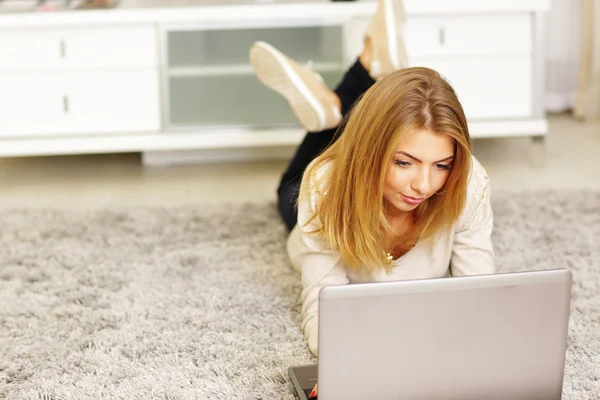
63, 49
442, 36
66, 104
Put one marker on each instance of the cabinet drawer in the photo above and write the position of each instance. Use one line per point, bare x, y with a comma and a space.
113, 101
489, 89
43, 49
79, 103
468, 35
31, 104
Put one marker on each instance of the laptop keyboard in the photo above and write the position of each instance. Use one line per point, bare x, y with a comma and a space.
307, 392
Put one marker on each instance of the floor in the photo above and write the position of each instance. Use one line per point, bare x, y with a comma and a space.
568, 159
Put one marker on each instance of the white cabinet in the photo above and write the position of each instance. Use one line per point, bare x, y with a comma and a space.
79, 81
22, 50
113, 102
466, 35
114, 46
79, 47
489, 89
31, 104
178, 79
489, 58
78, 103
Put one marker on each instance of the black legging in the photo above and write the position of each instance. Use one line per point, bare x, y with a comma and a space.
355, 82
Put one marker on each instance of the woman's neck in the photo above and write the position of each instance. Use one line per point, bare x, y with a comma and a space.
401, 222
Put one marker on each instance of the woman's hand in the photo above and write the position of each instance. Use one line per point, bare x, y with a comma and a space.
313, 394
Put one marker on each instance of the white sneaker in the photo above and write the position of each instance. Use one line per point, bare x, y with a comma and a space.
303, 88
385, 32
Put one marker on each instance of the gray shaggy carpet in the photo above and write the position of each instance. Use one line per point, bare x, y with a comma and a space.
201, 303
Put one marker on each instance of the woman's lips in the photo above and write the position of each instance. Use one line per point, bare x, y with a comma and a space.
412, 200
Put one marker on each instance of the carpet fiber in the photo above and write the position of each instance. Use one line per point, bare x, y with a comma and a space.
201, 303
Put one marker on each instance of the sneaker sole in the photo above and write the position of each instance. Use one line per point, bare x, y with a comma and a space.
275, 72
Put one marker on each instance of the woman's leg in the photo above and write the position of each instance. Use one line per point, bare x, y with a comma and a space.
311, 101
289, 186
355, 82
319, 109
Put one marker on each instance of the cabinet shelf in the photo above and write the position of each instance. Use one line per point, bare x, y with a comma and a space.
224, 70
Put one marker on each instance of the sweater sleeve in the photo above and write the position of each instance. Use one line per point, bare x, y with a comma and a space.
320, 265
472, 250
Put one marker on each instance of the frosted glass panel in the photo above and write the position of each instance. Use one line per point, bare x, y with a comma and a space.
230, 101
188, 48
211, 83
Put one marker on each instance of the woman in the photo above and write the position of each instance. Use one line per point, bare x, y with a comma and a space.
320, 110
397, 196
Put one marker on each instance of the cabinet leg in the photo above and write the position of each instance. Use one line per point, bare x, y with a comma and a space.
538, 139
538, 151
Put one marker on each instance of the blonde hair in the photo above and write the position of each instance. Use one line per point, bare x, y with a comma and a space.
352, 215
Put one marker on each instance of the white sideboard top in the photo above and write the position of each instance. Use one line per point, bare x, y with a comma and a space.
246, 11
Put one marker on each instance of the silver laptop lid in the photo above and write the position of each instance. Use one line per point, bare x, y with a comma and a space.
499, 336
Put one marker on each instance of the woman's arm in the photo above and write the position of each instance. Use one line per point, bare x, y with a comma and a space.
320, 267
310, 253
472, 251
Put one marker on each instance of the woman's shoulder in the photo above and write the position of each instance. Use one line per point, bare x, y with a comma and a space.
313, 188
318, 176
478, 178
478, 195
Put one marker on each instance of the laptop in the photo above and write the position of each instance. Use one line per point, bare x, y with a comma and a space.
501, 336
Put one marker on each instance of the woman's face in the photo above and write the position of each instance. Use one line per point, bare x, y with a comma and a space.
420, 167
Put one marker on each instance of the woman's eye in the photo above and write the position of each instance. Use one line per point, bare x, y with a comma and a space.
443, 166
402, 163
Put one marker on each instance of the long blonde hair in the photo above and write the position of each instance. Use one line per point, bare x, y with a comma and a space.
352, 215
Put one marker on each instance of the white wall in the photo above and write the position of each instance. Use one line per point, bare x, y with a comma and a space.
563, 52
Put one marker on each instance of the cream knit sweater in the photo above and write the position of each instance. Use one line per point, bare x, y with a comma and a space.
464, 248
